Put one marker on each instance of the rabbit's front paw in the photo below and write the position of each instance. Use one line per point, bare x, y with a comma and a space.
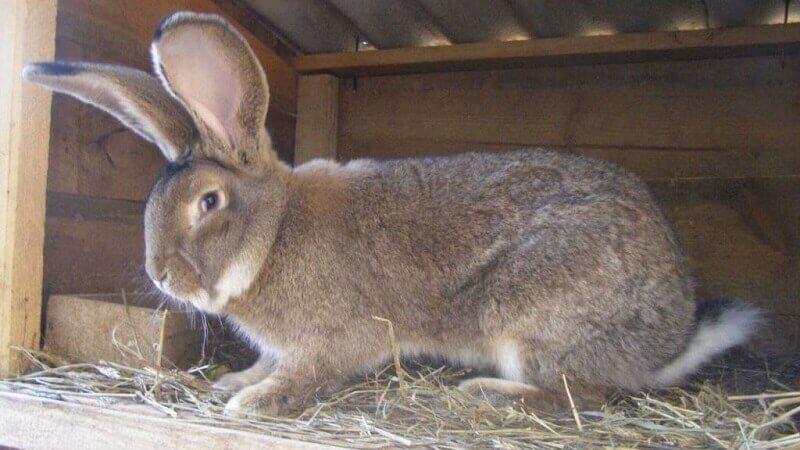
260, 400
234, 381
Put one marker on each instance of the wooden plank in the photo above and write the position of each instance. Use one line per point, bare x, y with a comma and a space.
42, 423
715, 107
317, 117
781, 199
650, 163
91, 328
27, 33
93, 245
576, 50
731, 257
93, 256
92, 154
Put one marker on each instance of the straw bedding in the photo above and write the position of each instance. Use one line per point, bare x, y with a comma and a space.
424, 409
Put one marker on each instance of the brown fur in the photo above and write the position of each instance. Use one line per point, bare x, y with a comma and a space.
534, 263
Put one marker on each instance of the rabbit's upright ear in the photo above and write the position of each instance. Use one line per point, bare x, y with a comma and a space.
208, 65
134, 97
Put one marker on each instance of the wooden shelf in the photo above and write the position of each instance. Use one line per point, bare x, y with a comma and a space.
582, 50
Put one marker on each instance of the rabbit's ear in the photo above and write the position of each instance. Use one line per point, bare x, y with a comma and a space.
135, 98
209, 66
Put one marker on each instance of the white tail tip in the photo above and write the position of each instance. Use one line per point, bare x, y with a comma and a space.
732, 327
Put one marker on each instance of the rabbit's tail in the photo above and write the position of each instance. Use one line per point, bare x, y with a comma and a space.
721, 325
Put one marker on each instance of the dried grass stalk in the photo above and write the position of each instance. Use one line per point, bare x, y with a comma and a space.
375, 412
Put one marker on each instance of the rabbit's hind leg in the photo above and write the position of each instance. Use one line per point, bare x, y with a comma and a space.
236, 381
551, 398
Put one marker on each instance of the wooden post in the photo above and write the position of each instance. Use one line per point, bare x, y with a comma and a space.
27, 33
317, 118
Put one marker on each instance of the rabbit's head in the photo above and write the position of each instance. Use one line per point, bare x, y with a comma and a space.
214, 212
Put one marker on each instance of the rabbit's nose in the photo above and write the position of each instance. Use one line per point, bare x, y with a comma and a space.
156, 271
160, 279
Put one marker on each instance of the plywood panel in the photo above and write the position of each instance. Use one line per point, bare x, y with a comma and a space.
740, 105
27, 32
735, 253
93, 154
91, 328
93, 245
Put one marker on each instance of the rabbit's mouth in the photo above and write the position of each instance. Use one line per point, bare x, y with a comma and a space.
181, 281
199, 297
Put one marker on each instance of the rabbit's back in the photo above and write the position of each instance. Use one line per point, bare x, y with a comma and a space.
565, 253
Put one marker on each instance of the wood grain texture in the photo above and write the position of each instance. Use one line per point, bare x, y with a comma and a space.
317, 118
84, 328
93, 245
715, 110
27, 33
39, 423
575, 50
732, 254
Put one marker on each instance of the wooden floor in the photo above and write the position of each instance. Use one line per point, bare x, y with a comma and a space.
32, 423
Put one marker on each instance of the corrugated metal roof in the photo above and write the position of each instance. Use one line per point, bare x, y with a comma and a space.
322, 26
393, 24
558, 18
496, 20
735, 13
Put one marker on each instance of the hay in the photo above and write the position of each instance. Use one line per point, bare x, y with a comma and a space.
429, 411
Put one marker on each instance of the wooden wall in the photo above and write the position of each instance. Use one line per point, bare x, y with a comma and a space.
27, 31
718, 141
99, 172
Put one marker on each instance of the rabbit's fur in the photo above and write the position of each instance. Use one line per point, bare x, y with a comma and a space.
532, 263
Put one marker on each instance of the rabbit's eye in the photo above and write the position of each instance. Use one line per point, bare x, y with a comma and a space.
209, 201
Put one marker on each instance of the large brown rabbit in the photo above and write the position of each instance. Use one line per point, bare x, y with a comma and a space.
531, 263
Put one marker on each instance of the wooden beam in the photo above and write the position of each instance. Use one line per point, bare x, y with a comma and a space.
317, 118
577, 50
42, 423
27, 33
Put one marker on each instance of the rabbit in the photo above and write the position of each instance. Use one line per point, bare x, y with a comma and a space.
540, 266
